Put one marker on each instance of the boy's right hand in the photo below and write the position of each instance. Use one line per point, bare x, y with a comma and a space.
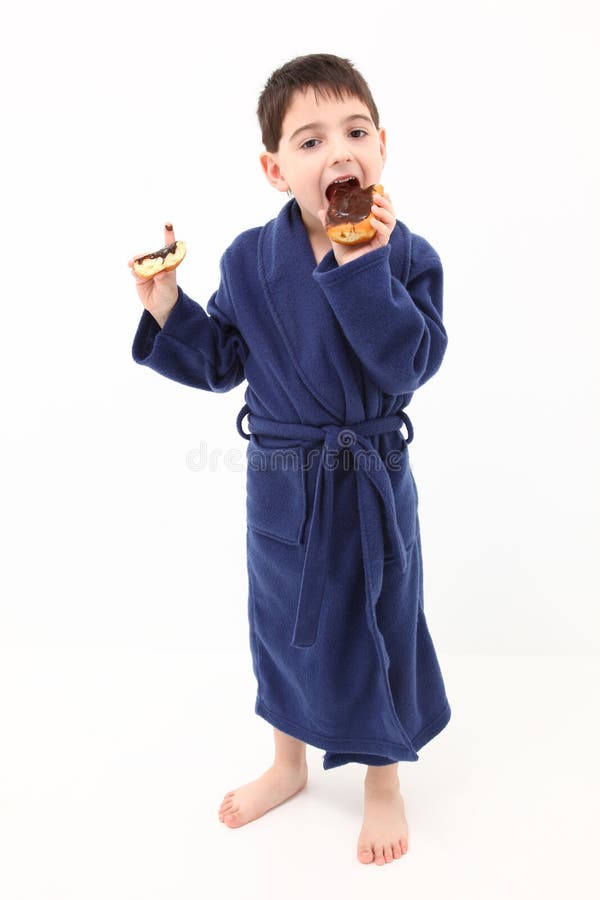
158, 294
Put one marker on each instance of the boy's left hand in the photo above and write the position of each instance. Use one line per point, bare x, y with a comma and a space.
384, 221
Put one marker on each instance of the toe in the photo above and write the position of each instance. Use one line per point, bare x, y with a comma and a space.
387, 853
232, 820
365, 854
404, 844
226, 809
396, 850
379, 857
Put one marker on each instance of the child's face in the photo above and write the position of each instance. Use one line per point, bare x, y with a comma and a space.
323, 139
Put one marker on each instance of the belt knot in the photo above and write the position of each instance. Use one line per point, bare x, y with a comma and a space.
339, 436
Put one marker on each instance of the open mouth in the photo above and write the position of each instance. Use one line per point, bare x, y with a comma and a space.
341, 184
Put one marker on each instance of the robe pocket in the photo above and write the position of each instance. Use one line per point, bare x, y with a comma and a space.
406, 498
276, 492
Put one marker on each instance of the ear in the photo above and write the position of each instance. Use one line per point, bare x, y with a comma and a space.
274, 176
382, 145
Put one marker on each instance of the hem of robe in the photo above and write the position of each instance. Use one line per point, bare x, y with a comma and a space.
340, 751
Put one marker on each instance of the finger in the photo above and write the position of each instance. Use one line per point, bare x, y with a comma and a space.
321, 214
162, 276
382, 214
382, 200
390, 205
381, 207
133, 272
169, 233
382, 230
378, 225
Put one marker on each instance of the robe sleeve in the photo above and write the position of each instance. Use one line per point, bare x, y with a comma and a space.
198, 348
396, 330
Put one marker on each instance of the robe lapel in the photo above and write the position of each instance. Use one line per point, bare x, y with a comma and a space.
303, 316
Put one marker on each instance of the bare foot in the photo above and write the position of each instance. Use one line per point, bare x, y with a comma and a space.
254, 799
384, 834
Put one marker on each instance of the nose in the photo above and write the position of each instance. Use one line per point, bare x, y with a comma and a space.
340, 151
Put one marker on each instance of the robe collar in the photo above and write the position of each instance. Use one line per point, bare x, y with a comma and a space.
287, 235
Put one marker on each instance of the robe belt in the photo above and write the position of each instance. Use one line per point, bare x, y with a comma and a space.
373, 481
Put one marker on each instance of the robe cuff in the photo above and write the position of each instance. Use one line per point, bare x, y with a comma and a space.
328, 272
148, 328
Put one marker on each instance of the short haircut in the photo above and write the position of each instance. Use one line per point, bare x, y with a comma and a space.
327, 74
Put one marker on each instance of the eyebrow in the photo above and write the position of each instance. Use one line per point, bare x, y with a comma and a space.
313, 125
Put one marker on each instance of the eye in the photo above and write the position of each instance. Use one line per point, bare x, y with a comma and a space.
358, 132
309, 144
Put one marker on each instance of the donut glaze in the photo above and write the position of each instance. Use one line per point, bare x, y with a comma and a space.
150, 264
348, 219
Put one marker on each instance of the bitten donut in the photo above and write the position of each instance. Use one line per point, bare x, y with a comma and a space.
349, 218
163, 260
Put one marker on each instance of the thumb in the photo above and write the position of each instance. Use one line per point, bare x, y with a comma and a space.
321, 214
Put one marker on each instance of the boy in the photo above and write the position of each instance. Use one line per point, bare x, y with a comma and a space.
333, 341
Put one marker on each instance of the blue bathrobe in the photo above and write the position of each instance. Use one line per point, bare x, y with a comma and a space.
341, 649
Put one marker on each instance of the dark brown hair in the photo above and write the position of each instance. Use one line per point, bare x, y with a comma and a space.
325, 73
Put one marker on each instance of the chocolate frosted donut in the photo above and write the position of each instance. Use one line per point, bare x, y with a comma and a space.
150, 264
349, 217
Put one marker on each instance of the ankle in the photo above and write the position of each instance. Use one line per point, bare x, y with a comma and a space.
286, 764
383, 777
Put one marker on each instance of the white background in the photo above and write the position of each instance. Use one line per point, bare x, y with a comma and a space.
121, 116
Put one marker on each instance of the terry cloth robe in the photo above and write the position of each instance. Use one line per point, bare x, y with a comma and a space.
341, 649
